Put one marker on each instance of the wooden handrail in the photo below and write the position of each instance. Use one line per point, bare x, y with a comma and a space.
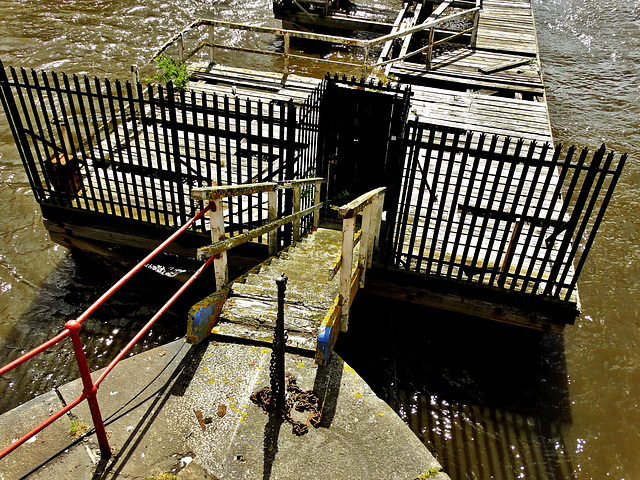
369, 205
220, 244
366, 65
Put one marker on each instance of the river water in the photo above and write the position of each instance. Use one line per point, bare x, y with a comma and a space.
574, 396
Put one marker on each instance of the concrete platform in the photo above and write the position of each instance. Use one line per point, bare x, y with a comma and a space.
149, 405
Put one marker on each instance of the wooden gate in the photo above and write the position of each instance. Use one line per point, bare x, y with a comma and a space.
361, 133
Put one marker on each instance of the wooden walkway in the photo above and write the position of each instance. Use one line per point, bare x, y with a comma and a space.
250, 311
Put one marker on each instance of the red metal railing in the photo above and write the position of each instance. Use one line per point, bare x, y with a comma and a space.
72, 328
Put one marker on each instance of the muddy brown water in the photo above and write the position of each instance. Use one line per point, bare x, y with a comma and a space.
490, 401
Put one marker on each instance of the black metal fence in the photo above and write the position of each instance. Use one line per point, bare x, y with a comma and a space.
500, 212
136, 151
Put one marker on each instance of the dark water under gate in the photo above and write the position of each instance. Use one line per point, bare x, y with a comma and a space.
562, 404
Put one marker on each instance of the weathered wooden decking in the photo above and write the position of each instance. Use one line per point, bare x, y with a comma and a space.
250, 311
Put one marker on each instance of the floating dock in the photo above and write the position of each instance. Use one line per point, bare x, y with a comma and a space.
483, 215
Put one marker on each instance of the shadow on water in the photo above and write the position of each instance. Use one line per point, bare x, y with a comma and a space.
66, 293
489, 400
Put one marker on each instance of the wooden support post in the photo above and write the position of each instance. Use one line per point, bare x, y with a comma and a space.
272, 216
513, 243
316, 201
217, 233
287, 52
348, 227
211, 41
181, 48
430, 47
135, 79
296, 209
365, 62
474, 34
365, 241
377, 220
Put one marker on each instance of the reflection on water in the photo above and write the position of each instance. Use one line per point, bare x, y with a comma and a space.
74, 285
491, 401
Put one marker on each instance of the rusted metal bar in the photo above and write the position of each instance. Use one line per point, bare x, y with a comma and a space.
277, 354
211, 40
89, 389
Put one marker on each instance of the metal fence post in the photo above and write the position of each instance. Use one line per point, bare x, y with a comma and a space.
277, 355
89, 390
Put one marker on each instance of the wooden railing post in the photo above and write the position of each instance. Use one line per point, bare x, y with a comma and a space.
211, 40
474, 34
348, 230
296, 209
365, 241
287, 52
316, 201
430, 47
217, 233
272, 216
181, 48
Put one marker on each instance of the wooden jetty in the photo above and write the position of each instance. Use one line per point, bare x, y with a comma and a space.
443, 105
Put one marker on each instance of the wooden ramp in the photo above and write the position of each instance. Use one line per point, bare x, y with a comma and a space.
247, 308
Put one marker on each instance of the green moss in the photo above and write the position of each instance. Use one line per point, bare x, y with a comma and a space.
432, 472
77, 428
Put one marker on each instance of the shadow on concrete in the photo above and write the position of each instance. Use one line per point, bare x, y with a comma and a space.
175, 385
271, 434
327, 386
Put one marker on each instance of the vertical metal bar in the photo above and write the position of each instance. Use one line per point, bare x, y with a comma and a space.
148, 180
597, 222
17, 129
120, 185
143, 192
229, 159
348, 228
105, 160
563, 226
506, 193
249, 154
131, 187
260, 143
408, 175
424, 185
166, 107
599, 175
279, 343
444, 196
156, 104
89, 389
432, 222
548, 219
472, 184
529, 197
